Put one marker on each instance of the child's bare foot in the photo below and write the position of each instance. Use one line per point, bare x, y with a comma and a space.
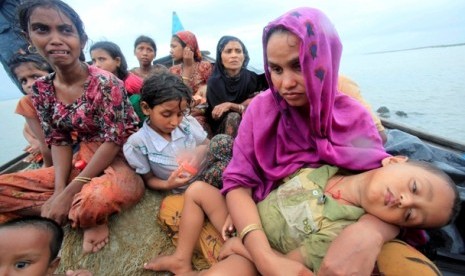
170, 263
95, 238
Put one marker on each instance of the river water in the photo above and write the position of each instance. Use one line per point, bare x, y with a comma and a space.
427, 84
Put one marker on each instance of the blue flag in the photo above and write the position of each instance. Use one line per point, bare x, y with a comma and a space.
177, 26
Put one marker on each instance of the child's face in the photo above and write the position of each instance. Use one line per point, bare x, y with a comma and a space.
176, 50
26, 74
165, 117
407, 195
55, 37
25, 251
103, 60
144, 53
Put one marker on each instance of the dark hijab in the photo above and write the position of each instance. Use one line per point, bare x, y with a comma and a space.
222, 88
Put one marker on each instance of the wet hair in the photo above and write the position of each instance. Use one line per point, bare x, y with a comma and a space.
41, 223
37, 61
27, 8
146, 39
163, 87
115, 52
444, 176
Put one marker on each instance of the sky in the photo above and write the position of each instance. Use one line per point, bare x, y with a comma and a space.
363, 25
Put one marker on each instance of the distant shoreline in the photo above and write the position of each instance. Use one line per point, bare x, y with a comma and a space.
417, 48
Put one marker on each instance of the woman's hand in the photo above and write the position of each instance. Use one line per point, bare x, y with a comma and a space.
228, 229
57, 207
187, 57
355, 250
221, 109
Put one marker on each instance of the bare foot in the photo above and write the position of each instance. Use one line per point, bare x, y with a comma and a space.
169, 263
95, 238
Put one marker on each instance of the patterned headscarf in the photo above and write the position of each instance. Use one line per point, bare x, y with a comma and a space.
191, 41
275, 139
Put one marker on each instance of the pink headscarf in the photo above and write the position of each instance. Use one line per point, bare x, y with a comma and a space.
275, 140
191, 41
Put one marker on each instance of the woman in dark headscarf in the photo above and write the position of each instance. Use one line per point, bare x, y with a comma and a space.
231, 87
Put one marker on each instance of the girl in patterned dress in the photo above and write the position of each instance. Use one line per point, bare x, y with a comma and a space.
90, 103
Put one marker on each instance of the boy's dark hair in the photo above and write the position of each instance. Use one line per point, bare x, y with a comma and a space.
25, 10
115, 52
40, 223
39, 62
146, 39
440, 173
162, 87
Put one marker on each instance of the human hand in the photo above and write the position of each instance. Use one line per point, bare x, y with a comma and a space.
79, 272
221, 109
233, 246
57, 207
228, 229
352, 253
187, 57
178, 178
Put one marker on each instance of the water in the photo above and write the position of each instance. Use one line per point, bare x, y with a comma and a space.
12, 141
427, 84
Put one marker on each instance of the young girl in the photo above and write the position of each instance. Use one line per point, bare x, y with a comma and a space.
27, 69
167, 135
108, 56
89, 102
145, 51
194, 71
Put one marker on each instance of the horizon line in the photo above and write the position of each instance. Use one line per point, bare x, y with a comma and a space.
417, 48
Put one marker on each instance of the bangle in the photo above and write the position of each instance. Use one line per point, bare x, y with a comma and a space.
185, 78
249, 228
82, 179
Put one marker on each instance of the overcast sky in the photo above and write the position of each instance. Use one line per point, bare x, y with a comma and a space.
363, 25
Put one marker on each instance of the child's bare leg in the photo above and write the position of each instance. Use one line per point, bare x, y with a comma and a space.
95, 238
231, 266
199, 199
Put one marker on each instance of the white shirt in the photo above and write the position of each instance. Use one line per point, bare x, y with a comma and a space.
146, 150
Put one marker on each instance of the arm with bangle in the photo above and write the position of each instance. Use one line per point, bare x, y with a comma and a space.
58, 206
245, 216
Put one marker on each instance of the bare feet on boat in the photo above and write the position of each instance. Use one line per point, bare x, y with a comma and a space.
95, 238
170, 263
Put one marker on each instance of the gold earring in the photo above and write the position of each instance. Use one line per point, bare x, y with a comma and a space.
32, 49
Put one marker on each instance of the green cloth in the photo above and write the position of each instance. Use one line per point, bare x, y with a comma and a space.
298, 215
135, 102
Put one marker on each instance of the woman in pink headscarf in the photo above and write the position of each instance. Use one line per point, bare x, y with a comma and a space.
301, 121
194, 71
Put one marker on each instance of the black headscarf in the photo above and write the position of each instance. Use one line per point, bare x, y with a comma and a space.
221, 88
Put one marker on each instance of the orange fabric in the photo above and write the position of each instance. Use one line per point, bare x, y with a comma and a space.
399, 258
26, 108
347, 86
169, 217
117, 188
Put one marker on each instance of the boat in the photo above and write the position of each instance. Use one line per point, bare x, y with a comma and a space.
145, 240
446, 247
